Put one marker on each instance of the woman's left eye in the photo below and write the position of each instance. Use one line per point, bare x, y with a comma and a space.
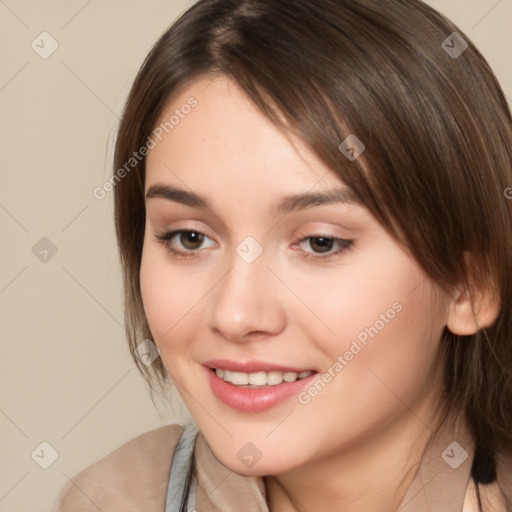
323, 246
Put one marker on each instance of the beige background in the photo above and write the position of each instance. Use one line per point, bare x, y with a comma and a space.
66, 375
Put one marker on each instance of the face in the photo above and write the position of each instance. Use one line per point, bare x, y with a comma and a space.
323, 324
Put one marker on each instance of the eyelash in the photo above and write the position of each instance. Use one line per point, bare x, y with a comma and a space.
166, 237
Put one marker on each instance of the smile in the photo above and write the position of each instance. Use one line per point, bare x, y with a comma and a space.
259, 387
260, 378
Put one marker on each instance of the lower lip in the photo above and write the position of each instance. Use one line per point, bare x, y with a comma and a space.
254, 399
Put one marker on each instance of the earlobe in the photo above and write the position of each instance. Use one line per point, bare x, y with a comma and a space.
470, 312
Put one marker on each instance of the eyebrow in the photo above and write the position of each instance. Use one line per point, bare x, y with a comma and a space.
287, 204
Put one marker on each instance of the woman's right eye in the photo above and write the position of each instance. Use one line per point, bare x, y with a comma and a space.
183, 243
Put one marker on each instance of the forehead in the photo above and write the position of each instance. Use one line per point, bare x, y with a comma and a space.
225, 137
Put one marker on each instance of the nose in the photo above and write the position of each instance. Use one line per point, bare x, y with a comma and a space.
247, 304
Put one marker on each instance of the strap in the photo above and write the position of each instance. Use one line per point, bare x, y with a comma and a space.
191, 503
181, 472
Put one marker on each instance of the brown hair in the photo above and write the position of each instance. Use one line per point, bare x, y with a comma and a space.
438, 158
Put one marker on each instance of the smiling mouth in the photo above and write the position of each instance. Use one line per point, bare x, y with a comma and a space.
259, 379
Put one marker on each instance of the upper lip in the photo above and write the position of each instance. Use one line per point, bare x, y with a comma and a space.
252, 366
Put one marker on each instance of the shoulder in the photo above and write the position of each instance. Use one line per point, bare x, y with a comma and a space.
134, 475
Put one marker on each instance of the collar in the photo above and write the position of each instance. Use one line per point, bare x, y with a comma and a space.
439, 485
442, 478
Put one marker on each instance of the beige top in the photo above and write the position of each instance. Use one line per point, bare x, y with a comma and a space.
135, 477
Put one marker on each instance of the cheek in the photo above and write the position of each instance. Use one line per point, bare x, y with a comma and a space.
359, 301
384, 322
168, 295
382, 360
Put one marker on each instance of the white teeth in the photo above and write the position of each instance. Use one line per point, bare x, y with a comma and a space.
239, 378
258, 378
290, 376
274, 378
261, 378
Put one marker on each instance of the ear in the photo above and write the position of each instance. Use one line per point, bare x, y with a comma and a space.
472, 310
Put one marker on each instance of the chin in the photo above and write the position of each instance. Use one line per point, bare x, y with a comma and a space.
262, 467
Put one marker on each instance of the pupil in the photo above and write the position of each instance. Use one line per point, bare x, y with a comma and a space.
325, 244
188, 239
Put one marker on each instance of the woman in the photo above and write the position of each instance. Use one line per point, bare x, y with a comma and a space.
312, 217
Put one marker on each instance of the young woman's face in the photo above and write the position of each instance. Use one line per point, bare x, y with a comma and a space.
270, 287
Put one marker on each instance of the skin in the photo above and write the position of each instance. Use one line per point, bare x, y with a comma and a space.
371, 423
